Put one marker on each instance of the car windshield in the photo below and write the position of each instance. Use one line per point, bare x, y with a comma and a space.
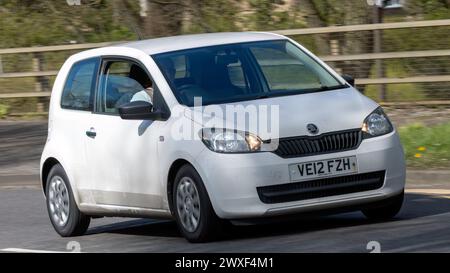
243, 71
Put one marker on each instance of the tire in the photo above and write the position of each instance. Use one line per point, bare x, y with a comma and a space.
385, 210
208, 226
66, 218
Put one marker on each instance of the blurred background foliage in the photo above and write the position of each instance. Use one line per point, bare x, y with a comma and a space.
37, 22
26, 23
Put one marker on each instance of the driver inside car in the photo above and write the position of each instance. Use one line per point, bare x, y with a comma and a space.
141, 77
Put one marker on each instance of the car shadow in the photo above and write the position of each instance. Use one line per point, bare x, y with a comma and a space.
415, 206
141, 227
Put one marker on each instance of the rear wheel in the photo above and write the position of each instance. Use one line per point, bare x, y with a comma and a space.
64, 214
386, 210
194, 213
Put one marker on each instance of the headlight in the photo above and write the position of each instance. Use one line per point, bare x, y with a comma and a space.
376, 124
230, 141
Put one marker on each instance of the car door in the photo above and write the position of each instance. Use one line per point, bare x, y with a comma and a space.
122, 154
69, 127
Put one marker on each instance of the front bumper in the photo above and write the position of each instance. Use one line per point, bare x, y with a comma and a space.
232, 179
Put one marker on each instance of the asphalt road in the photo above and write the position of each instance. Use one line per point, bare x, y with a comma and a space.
21, 144
423, 225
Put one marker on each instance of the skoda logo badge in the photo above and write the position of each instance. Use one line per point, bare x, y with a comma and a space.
312, 128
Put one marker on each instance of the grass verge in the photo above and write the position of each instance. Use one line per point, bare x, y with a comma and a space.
3, 110
426, 146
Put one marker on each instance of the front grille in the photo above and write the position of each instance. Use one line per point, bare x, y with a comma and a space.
321, 187
314, 145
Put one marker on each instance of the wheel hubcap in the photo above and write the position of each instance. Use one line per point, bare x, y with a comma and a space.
58, 200
188, 204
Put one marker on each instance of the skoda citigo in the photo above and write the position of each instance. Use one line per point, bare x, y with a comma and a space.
117, 142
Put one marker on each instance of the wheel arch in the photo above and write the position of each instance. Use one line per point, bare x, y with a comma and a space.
46, 167
176, 165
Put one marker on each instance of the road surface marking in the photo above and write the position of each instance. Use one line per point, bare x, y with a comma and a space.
29, 187
24, 250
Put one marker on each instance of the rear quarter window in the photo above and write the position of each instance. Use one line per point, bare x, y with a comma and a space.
79, 88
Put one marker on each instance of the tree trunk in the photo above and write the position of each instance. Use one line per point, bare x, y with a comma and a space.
164, 18
313, 19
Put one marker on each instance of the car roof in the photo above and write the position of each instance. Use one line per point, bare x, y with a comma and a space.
174, 43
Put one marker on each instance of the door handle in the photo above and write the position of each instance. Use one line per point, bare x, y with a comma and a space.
91, 132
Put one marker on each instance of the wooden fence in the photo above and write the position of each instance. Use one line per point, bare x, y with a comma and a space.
40, 74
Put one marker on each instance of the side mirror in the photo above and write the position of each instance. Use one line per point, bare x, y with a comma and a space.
141, 110
349, 79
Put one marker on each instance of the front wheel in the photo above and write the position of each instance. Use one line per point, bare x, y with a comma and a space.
194, 213
386, 210
64, 214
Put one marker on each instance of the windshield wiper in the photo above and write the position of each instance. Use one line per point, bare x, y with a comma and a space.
276, 94
327, 88
265, 96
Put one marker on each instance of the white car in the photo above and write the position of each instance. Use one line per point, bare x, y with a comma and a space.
143, 130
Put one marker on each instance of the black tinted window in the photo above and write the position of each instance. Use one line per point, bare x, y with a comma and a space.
243, 71
79, 88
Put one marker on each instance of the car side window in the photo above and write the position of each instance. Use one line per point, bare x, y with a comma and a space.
121, 82
80, 84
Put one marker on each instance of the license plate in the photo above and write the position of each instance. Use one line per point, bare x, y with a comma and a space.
321, 168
